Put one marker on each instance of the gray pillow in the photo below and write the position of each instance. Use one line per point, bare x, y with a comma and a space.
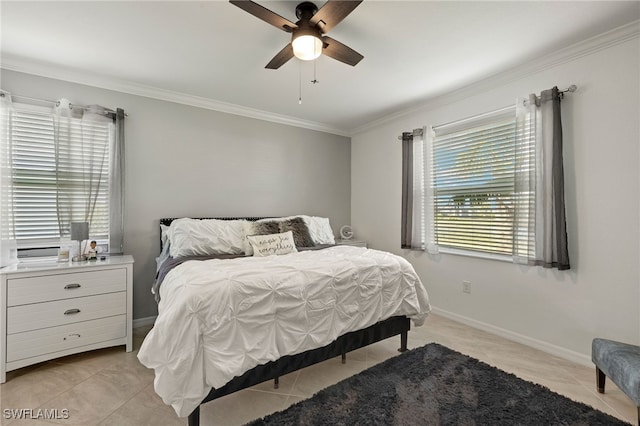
265, 228
300, 231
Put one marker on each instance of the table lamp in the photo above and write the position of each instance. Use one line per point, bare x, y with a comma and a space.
80, 233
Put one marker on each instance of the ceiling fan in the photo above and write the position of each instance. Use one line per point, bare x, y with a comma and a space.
308, 40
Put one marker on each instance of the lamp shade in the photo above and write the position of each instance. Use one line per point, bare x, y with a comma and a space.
79, 231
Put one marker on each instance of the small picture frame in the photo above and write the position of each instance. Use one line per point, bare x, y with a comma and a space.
92, 250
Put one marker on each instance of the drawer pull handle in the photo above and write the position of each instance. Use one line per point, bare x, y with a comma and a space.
75, 335
72, 311
72, 286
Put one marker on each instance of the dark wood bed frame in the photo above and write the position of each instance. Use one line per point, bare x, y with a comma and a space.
390, 327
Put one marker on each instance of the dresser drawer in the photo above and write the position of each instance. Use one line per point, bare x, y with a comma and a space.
54, 339
50, 314
22, 291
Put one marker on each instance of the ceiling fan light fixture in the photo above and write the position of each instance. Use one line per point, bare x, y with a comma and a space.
307, 47
308, 34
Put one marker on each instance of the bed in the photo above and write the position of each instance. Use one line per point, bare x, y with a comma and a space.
228, 321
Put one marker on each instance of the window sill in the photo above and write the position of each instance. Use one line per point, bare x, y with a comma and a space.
468, 253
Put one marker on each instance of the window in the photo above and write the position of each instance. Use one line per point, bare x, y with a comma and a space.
494, 185
472, 190
47, 182
60, 167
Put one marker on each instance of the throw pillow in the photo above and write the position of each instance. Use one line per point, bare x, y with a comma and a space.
300, 231
267, 245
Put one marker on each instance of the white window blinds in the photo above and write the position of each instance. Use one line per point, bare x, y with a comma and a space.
472, 179
59, 174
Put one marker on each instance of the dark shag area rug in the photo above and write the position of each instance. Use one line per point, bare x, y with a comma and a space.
434, 385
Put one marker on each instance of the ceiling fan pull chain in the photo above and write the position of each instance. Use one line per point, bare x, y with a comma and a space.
315, 80
299, 82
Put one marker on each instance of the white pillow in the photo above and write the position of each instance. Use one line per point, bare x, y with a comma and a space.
267, 245
248, 230
200, 237
320, 229
164, 255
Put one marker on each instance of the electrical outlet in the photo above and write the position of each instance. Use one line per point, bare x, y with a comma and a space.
466, 286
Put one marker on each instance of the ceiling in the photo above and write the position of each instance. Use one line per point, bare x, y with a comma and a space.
213, 51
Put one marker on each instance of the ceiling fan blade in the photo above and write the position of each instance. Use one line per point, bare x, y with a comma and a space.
338, 51
281, 57
265, 14
332, 13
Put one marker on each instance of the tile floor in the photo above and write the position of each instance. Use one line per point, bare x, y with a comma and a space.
110, 386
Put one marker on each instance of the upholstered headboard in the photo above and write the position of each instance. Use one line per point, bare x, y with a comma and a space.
167, 220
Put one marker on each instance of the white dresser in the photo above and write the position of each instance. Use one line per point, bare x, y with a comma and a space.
50, 309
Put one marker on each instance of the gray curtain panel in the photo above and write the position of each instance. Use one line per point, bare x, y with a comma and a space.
80, 159
558, 256
7, 225
116, 202
540, 234
407, 190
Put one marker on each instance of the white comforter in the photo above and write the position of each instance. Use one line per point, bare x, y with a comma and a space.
220, 318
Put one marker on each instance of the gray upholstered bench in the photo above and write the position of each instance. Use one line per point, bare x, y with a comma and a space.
620, 362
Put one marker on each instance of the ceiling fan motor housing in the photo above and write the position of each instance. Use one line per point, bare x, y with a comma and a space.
306, 10
305, 28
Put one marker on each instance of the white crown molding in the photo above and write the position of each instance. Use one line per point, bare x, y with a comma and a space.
577, 50
12, 63
583, 48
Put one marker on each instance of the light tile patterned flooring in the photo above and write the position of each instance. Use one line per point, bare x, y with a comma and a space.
110, 386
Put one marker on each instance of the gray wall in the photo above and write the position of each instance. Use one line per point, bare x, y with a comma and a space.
187, 161
557, 311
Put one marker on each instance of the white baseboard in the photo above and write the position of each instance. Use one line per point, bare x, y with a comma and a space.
549, 348
139, 322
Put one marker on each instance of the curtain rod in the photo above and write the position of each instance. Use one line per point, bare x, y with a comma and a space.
56, 103
569, 89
